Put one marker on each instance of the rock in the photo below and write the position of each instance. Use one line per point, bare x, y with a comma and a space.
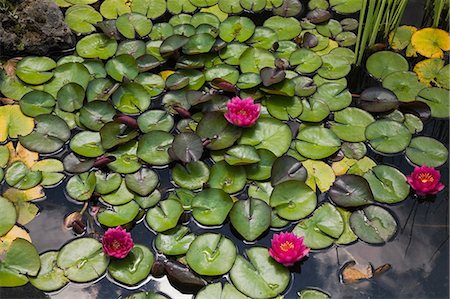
33, 27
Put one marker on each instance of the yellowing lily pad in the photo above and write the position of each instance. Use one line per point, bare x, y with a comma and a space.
20, 153
431, 42
399, 39
427, 70
14, 233
13, 122
320, 174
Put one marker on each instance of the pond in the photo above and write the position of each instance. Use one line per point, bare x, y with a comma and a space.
414, 263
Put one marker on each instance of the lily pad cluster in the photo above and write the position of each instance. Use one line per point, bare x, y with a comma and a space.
143, 97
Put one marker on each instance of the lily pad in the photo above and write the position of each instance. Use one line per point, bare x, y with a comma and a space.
437, 99
383, 63
107, 182
320, 175
260, 276
135, 267
251, 218
187, 147
216, 128
35, 70
191, 176
317, 142
351, 190
81, 187
82, 260
118, 215
19, 176
306, 61
13, 122
350, 124
262, 169
165, 215
377, 99
346, 6
131, 25
374, 224
405, 85
230, 179
388, 184
211, 206
49, 135
293, 200
97, 45
287, 168
426, 151
236, 28
96, 114
388, 136
50, 278
142, 182
322, 228
175, 241
8, 215
81, 18
153, 147
211, 254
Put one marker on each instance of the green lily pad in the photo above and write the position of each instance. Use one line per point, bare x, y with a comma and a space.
346, 6
19, 176
230, 179
81, 187
231, 53
131, 25
50, 278
148, 201
263, 37
320, 175
334, 66
236, 28
135, 267
383, 63
8, 215
347, 236
253, 60
260, 276
437, 99
191, 176
270, 134
118, 215
261, 170
293, 200
211, 254
426, 151
351, 190
107, 182
153, 147
97, 45
388, 184
289, 8
287, 168
150, 8
251, 218
81, 18
70, 97
82, 260
184, 196
37, 102
314, 111
350, 124
142, 182
322, 228
335, 95
306, 61
175, 241
241, 155
113, 134
404, 84
126, 157
96, 114
215, 127
222, 71
312, 294
374, 224
211, 206
155, 120
87, 144
284, 108
215, 291
35, 70
165, 215
388, 136
123, 67
317, 142
187, 147
111, 9
20, 260
153, 83
120, 196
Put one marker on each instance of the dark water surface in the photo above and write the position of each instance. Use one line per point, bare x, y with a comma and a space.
418, 255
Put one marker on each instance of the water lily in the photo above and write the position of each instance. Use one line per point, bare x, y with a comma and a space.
425, 180
287, 248
242, 112
117, 242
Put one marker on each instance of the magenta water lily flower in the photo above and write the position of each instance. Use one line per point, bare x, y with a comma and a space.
242, 112
425, 180
287, 248
117, 242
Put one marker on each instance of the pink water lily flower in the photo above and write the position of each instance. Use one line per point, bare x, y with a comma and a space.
117, 242
287, 248
425, 180
242, 112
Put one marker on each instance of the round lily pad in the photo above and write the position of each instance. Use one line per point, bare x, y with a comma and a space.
388, 136
350, 124
70, 97
251, 218
135, 267
131, 25
35, 70
230, 179
142, 182
131, 98
260, 276
373, 224
37, 102
262, 169
322, 228
437, 99
122, 67
334, 66
175, 241
350, 190
87, 144
312, 294
215, 127
81, 18
388, 184
293, 200
317, 142
8, 215
153, 147
384, 63
211, 254
287, 168
81, 187
96, 114
426, 151
284, 108
50, 278
107, 182
377, 99
19, 176
82, 260
191, 176
306, 61
314, 111
211, 206
187, 147
165, 215
241, 155
118, 215
270, 134
126, 157
405, 85
155, 120
236, 28
97, 45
